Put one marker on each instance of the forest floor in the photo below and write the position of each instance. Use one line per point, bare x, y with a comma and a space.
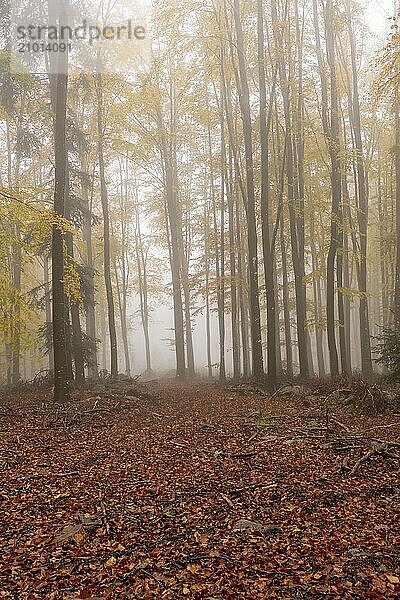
175, 490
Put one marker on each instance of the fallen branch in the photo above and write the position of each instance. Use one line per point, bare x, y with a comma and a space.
227, 500
242, 455
379, 427
251, 438
339, 391
171, 443
253, 486
347, 430
248, 388
279, 390
364, 458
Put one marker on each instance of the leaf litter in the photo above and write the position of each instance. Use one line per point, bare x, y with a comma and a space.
196, 491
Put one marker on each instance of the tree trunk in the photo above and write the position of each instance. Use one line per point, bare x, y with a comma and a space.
331, 131
294, 203
233, 274
365, 338
317, 305
72, 306
61, 387
207, 278
47, 300
87, 236
244, 97
286, 309
175, 245
243, 308
265, 202
143, 292
106, 229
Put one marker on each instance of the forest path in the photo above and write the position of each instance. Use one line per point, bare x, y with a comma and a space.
193, 491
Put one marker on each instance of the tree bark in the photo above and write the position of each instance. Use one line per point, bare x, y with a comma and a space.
365, 338
106, 228
294, 202
244, 97
87, 236
61, 387
265, 204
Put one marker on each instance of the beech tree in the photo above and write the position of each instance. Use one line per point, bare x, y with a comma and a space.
239, 187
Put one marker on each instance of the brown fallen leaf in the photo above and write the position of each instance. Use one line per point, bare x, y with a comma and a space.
71, 532
193, 568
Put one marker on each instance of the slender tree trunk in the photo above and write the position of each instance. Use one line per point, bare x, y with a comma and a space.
61, 387
286, 309
207, 279
244, 321
16, 254
317, 305
87, 236
122, 304
341, 314
47, 299
106, 229
382, 262
175, 245
265, 204
397, 175
104, 338
141, 261
244, 97
72, 306
188, 316
331, 130
16, 347
233, 275
221, 263
346, 270
278, 349
294, 206
124, 269
365, 338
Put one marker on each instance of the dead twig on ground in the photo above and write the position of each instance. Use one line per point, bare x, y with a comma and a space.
363, 459
342, 425
104, 513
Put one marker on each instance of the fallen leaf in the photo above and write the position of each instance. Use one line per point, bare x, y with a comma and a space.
68, 533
